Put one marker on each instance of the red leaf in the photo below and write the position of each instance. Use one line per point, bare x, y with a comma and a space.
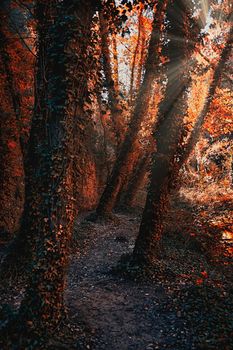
204, 274
199, 281
11, 144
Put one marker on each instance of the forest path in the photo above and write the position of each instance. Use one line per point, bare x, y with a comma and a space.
121, 313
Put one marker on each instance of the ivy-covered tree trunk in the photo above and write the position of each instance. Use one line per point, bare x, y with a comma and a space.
20, 252
11, 158
124, 161
115, 62
168, 131
49, 178
49, 211
113, 98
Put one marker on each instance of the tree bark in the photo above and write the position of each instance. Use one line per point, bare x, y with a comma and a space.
21, 250
50, 177
131, 88
11, 156
115, 62
142, 57
48, 213
168, 132
113, 97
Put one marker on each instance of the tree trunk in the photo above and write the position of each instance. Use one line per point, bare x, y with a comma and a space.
113, 97
11, 158
48, 213
148, 244
131, 88
170, 121
138, 175
115, 62
21, 250
123, 164
142, 57
51, 202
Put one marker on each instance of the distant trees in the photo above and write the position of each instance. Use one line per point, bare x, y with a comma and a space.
203, 116
124, 161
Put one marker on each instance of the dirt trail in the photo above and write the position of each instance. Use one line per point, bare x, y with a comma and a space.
122, 314
187, 304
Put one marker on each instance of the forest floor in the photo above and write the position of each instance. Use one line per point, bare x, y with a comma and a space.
186, 304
